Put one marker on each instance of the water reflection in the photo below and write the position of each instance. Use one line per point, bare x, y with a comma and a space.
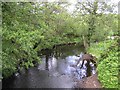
58, 69
68, 65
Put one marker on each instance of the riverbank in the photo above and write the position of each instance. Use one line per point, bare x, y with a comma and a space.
107, 62
89, 82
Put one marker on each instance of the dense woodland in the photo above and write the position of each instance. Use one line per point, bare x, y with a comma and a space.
28, 27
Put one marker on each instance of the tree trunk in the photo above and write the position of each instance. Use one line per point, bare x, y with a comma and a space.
86, 45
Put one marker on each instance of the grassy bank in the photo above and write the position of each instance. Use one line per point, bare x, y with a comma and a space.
107, 58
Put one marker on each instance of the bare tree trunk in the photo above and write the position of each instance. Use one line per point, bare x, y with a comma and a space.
86, 45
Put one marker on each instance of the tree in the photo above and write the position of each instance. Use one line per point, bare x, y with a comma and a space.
35, 26
19, 36
93, 16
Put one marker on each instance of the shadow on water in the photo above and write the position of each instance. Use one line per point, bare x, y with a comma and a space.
56, 70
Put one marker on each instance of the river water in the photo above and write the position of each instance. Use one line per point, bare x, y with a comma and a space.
56, 70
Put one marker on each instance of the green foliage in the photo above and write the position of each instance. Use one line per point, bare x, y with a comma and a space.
99, 47
107, 53
29, 27
19, 38
109, 75
96, 25
8, 65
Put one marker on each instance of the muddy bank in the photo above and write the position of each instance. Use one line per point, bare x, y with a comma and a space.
89, 82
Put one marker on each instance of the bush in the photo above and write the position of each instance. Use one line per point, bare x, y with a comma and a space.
107, 68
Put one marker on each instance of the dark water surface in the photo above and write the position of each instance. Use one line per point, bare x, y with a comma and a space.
55, 71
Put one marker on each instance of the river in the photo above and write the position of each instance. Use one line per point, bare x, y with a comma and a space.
56, 70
